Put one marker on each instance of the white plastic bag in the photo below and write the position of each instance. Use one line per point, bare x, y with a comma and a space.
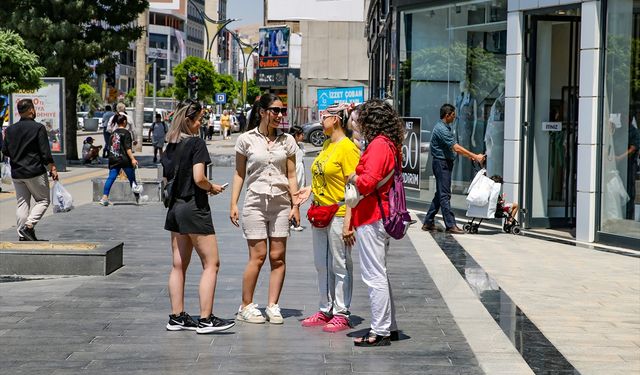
6, 173
480, 189
137, 187
61, 198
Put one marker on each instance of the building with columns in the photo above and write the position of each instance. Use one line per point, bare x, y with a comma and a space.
547, 89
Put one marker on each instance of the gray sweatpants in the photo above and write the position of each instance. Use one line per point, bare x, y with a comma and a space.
26, 188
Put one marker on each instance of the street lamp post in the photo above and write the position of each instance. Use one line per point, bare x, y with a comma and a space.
222, 24
245, 62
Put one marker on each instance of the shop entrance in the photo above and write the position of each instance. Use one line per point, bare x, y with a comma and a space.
551, 127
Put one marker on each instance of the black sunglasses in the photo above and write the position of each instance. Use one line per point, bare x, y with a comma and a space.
278, 110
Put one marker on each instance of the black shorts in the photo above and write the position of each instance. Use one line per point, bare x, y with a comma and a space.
185, 217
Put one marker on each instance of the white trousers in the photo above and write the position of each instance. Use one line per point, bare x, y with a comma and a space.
36, 187
332, 259
372, 243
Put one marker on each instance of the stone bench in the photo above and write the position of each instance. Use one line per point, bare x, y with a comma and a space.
60, 258
121, 190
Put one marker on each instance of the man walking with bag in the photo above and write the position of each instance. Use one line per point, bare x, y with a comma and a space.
27, 145
444, 149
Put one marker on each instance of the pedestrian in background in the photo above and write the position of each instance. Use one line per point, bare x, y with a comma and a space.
242, 120
106, 131
443, 151
265, 158
157, 133
189, 221
26, 144
383, 131
225, 124
211, 126
332, 244
90, 152
122, 110
120, 157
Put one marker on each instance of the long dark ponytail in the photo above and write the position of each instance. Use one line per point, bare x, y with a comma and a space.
264, 102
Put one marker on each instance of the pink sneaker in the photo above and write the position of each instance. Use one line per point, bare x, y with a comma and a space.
337, 323
317, 319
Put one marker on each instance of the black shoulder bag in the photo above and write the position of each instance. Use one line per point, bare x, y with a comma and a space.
169, 192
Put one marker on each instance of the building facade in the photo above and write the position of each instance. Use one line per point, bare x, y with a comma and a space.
547, 89
327, 49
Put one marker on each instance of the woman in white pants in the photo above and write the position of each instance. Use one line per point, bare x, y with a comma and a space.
332, 243
383, 131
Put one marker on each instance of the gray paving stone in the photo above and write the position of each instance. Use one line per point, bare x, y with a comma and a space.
116, 323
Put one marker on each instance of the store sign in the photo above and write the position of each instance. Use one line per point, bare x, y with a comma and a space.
411, 152
271, 77
49, 105
273, 49
339, 95
552, 126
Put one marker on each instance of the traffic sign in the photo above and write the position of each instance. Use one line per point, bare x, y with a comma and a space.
221, 98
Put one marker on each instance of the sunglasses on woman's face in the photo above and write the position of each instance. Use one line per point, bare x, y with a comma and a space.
278, 110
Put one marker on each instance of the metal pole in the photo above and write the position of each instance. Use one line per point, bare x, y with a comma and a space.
154, 92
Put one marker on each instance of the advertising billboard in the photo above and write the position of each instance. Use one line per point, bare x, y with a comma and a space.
49, 105
273, 49
411, 152
339, 95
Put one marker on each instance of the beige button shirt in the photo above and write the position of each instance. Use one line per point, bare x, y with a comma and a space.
266, 161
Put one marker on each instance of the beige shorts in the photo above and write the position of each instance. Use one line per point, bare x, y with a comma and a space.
265, 216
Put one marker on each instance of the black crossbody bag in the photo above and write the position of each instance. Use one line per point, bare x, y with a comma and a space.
169, 191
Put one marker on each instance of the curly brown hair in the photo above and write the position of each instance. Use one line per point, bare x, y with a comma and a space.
376, 117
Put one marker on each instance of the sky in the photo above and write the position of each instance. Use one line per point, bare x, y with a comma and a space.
249, 11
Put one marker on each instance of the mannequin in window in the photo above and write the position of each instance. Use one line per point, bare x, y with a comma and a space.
494, 135
465, 127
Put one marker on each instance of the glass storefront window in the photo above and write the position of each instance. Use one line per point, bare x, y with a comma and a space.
620, 208
455, 54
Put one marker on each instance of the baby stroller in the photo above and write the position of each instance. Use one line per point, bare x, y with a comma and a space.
484, 202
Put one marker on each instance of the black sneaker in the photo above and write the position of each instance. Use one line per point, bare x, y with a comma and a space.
213, 324
27, 233
180, 322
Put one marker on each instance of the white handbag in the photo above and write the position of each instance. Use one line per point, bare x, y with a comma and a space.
351, 195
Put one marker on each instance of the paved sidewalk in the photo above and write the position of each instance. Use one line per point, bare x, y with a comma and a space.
94, 325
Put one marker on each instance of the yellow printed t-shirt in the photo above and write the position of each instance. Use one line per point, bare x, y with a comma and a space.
330, 170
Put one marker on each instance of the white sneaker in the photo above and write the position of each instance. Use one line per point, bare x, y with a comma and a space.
250, 314
299, 228
273, 314
103, 202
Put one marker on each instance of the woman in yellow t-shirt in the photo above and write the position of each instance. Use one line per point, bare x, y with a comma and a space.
332, 244
225, 124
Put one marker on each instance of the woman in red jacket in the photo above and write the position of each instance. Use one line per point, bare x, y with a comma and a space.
383, 131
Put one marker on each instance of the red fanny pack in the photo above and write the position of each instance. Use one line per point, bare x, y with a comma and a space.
321, 216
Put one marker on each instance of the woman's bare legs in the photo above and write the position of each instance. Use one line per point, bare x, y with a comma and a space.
257, 256
207, 248
277, 252
181, 247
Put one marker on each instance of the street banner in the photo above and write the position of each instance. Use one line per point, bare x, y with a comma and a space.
339, 95
273, 49
411, 152
49, 106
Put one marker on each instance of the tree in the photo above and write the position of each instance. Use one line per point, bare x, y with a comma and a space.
209, 81
206, 77
88, 97
69, 34
19, 68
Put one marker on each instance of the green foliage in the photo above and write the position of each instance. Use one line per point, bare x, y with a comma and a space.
167, 92
482, 70
19, 67
206, 77
209, 81
88, 97
69, 34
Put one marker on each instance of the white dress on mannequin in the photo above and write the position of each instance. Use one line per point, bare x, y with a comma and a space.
494, 137
466, 120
